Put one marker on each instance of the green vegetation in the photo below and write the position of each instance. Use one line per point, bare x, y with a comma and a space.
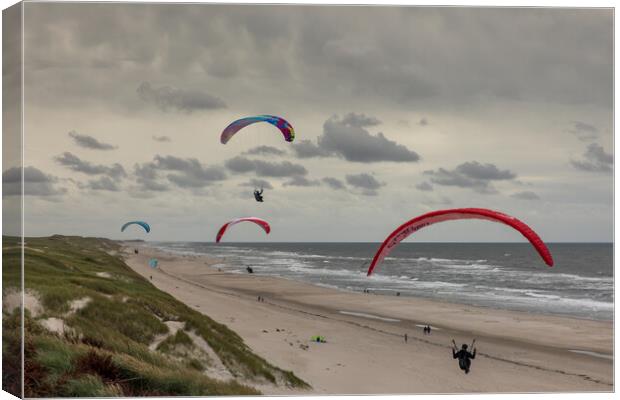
111, 315
172, 342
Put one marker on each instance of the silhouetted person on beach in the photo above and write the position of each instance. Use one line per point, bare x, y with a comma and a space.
405, 338
428, 329
250, 270
135, 251
464, 357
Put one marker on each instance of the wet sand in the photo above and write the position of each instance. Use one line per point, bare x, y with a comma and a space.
366, 351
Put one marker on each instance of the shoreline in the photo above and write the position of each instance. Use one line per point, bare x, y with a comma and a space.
557, 353
384, 292
430, 299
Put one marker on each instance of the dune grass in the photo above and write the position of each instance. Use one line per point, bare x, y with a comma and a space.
104, 349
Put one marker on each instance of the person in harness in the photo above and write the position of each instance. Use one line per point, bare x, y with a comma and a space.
258, 195
464, 356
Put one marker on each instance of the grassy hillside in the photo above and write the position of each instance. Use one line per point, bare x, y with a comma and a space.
89, 334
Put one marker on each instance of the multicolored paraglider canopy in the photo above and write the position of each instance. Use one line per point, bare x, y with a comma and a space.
434, 217
260, 222
283, 125
143, 224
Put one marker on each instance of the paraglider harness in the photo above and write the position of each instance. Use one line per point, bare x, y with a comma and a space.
258, 195
463, 355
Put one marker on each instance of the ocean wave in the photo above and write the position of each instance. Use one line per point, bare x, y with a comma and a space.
542, 295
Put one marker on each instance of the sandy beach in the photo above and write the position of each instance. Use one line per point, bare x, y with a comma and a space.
366, 351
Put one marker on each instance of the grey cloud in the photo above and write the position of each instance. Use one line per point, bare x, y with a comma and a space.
103, 183
161, 138
192, 174
264, 168
583, 130
475, 170
363, 68
307, 149
444, 177
342, 137
36, 183
525, 195
504, 53
74, 163
168, 98
368, 183
334, 183
265, 150
504, 64
424, 186
472, 175
147, 177
257, 183
31, 174
595, 159
301, 181
359, 120
90, 142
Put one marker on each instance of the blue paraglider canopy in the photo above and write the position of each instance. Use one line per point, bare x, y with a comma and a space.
143, 224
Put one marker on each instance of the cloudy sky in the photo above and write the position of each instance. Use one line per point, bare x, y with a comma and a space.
397, 111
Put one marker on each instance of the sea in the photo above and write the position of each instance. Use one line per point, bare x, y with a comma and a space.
498, 275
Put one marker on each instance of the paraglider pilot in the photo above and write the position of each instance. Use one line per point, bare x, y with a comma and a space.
258, 195
464, 357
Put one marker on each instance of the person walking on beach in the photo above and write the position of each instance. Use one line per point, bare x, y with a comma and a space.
463, 356
405, 338
428, 329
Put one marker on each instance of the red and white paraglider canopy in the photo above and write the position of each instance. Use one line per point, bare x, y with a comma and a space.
434, 217
260, 222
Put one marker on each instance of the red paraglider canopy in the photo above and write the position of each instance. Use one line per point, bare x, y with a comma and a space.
434, 217
261, 222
